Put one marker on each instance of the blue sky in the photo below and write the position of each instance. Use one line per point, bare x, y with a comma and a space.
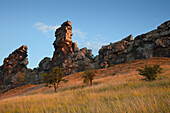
95, 23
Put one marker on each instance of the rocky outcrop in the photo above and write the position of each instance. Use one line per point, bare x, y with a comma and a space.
67, 55
63, 44
152, 44
13, 70
35, 76
79, 61
44, 64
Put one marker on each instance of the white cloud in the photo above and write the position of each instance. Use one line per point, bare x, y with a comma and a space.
45, 28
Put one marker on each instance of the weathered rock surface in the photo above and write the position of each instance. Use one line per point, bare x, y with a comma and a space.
152, 44
35, 76
63, 44
67, 54
13, 69
44, 64
79, 61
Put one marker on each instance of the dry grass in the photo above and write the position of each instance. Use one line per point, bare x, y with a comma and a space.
123, 92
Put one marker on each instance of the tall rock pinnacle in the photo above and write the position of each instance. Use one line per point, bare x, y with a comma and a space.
63, 44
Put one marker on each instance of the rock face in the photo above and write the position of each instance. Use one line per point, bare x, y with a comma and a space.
63, 44
13, 69
67, 54
35, 76
152, 44
79, 61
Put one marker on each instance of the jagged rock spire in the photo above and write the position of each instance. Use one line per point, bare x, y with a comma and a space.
63, 44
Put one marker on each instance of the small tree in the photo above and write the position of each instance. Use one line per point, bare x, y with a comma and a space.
54, 78
89, 76
150, 72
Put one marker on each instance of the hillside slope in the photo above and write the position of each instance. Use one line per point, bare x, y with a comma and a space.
116, 89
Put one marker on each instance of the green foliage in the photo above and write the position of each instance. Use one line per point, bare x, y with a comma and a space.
88, 76
54, 77
150, 72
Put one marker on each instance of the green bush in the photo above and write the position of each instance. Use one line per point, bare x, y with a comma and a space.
89, 76
54, 78
150, 72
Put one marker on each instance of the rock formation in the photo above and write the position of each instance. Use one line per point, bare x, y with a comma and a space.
79, 61
35, 76
68, 56
63, 44
13, 69
152, 44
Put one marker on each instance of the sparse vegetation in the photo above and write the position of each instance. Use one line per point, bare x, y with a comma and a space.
54, 78
88, 76
137, 97
150, 72
123, 93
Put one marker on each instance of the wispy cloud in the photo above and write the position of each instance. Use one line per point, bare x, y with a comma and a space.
80, 34
45, 28
83, 40
95, 45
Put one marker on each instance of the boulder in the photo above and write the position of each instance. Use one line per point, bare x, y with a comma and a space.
44, 64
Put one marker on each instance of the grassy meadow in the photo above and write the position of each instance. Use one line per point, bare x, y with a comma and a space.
118, 89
